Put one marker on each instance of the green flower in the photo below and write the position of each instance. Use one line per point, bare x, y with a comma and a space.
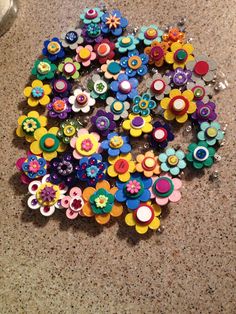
200, 155
69, 68
101, 202
126, 43
68, 129
44, 69
210, 132
91, 15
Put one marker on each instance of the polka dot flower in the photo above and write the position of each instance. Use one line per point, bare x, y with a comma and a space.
73, 203
121, 166
81, 101
148, 164
143, 105
150, 33
136, 125
210, 132
116, 144
179, 55
69, 68
126, 43
68, 129
172, 161
37, 93
85, 55
200, 155
135, 63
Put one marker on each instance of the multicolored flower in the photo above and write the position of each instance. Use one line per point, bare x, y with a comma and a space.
37, 93
179, 55
180, 77
143, 104
81, 101
73, 203
200, 90
136, 125
150, 33
161, 135
126, 43
173, 35
69, 68
210, 132
59, 108
148, 164
118, 108
92, 33
204, 112
111, 69
124, 87
85, 55
156, 53
71, 38
113, 23
103, 122
98, 87
121, 166
200, 155
61, 87
135, 63
172, 161
53, 49
44, 69
202, 67
116, 144
158, 86
68, 129
105, 50
91, 15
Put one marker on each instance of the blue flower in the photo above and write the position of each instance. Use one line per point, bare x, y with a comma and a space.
113, 23
126, 43
53, 49
124, 87
34, 167
91, 15
150, 33
134, 191
172, 161
116, 144
143, 104
161, 135
210, 132
135, 63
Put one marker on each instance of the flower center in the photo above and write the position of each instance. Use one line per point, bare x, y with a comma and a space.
157, 53
116, 142
180, 55
93, 30
160, 134
158, 86
34, 166
69, 130
91, 14
149, 163
84, 54
113, 68
101, 201
201, 153
53, 47
47, 194
49, 143
69, 68
199, 92
151, 33
179, 105
65, 168
103, 49
59, 105
117, 107
211, 132
125, 87
86, 145
144, 214
92, 171
201, 68
126, 41
137, 122
100, 87
43, 67
76, 204
102, 123
163, 187
113, 21
71, 37
173, 160
29, 125
134, 62
121, 166
133, 187
60, 86
81, 99
37, 92
205, 112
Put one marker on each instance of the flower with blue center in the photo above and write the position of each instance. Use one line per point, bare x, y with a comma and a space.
210, 132
134, 191
126, 43
124, 87
172, 161
53, 49
116, 144
150, 33
200, 155
135, 63
143, 104
113, 23
91, 15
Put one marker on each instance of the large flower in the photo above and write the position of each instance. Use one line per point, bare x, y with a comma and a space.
124, 87
37, 93
158, 86
68, 129
143, 104
103, 122
172, 161
111, 69
179, 54
47, 143
81, 101
126, 43
44, 69
156, 53
71, 38
98, 87
200, 155
161, 135
121, 166
205, 112
150, 33
73, 203
85, 55
59, 108
173, 35
53, 49
210, 132
69, 68
91, 15
118, 108
113, 22
148, 164
100, 202
105, 50
135, 63
202, 67
178, 105
137, 125
116, 144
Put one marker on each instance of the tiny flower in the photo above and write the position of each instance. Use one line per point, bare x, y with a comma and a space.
210, 132
179, 55
103, 122
200, 90
135, 63
61, 87
143, 104
116, 144
172, 161
73, 203
113, 23
148, 164
59, 108
158, 86
150, 33
204, 112
111, 69
200, 155
180, 77
98, 87
105, 51
118, 108
121, 166
124, 87
126, 43
44, 69
161, 135
156, 53
53, 49
68, 129
92, 33
137, 125
202, 67
69, 68
85, 55
72, 38
91, 15
173, 35
37, 93
81, 101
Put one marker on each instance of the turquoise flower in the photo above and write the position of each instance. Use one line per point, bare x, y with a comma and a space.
200, 155
143, 104
101, 202
91, 15
150, 33
210, 132
172, 161
126, 43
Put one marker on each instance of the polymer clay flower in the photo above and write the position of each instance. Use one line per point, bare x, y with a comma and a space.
37, 93
179, 55
118, 108
202, 67
59, 108
98, 87
73, 203
200, 155
44, 69
172, 161
105, 50
124, 87
61, 87
121, 166
85, 55
116, 144
85, 144
200, 90
135, 63
210, 132
126, 43
81, 101
156, 53
136, 125
134, 191
148, 164
165, 189
91, 15
68, 129
178, 105
47, 143
113, 22
158, 86
179, 77
102, 122
150, 33
111, 69
63, 170
100, 202
144, 217
91, 170
161, 135
143, 104
204, 112
27, 125
173, 35
53, 49
92, 33
45, 196
71, 38
69, 68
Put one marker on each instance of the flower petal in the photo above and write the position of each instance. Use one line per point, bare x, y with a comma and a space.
175, 92
129, 219
182, 119
141, 229
88, 192
49, 156
154, 224
103, 185
35, 148
117, 210
168, 115
102, 219
87, 211
39, 133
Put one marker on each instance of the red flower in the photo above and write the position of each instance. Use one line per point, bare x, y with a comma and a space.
105, 50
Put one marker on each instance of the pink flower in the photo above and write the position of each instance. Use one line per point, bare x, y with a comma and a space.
34, 166
85, 55
73, 203
133, 187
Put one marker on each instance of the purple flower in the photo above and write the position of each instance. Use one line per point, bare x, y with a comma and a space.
53, 49
113, 23
204, 112
48, 194
179, 76
124, 87
103, 122
161, 135
59, 108
92, 33
61, 86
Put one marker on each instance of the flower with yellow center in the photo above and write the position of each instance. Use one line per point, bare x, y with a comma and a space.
179, 55
37, 93
137, 125
121, 166
148, 164
116, 142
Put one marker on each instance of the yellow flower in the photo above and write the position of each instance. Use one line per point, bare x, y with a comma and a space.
179, 55
27, 125
179, 105
144, 217
37, 93
148, 164
137, 125
47, 143
121, 166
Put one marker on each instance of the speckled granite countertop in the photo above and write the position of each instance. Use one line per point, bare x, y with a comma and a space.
57, 266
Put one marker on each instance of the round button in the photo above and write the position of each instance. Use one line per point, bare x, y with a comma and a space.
102, 123
125, 87
198, 92
60, 86
81, 99
160, 134
163, 185
43, 67
117, 106
103, 50
114, 68
144, 214
69, 68
134, 62
211, 132
84, 54
180, 55
201, 153
137, 122
157, 53
49, 142
121, 166
100, 87
173, 160
179, 104
91, 14
71, 37
53, 47
59, 105
205, 112
126, 40
158, 86
201, 68
151, 33
149, 163
69, 130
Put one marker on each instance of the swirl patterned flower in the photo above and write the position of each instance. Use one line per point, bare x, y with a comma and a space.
105, 50
44, 69
156, 53
69, 68
172, 161
158, 86
61, 87
85, 55
98, 87
143, 104
136, 125
103, 122
114, 23
121, 166
81, 101
124, 87
37, 93
59, 108
116, 144
71, 38
118, 108
161, 135
148, 164
100, 203
200, 90
179, 55
73, 203
180, 77
53, 49
200, 155
91, 15
150, 33
135, 63
134, 191
126, 43
210, 132
202, 68
92, 33
173, 35
68, 129
204, 112
111, 69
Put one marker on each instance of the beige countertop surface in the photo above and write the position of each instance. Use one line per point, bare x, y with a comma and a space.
61, 266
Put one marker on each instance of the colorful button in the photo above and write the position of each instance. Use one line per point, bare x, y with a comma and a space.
60, 86
180, 55
121, 166
53, 47
114, 68
117, 106
204, 112
134, 62
81, 99
91, 14
199, 92
126, 41
69, 130
49, 142
59, 105
100, 87
71, 37
163, 185
173, 160
157, 53
125, 87
69, 68
201, 68
102, 123
151, 33
160, 134
158, 86
144, 214
201, 153
137, 122
84, 53
149, 163
103, 50
211, 132
179, 104
43, 67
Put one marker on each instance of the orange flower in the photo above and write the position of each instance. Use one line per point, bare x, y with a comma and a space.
148, 164
174, 35
156, 53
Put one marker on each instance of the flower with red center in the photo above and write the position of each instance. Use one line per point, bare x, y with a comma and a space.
156, 53
105, 50
73, 203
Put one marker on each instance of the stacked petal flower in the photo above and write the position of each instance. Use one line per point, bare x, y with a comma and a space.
135, 63
172, 161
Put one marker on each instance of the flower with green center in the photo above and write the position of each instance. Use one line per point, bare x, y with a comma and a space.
44, 69
126, 43
101, 201
68, 129
98, 87
200, 155
210, 132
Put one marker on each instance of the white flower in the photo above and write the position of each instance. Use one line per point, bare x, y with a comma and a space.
81, 101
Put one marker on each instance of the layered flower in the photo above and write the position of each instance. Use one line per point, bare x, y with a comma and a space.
135, 63
100, 202
178, 105
204, 112
136, 125
116, 144
98, 87
118, 108
161, 135
37, 93
210, 132
92, 33
172, 161
126, 43
111, 69
61, 87
200, 155
103, 123
53, 49
113, 22
85, 55
91, 15
59, 108
73, 203
156, 53
143, 104
121, 166
150, 33
69, 68
200, 90
44, 69
173, 35
179, 55
68, 129
81, 101
105, 50
148, 164
202, 67
124, 87
158, 86
71, 38
180, 77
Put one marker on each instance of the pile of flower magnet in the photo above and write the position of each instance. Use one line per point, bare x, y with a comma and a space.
94, 172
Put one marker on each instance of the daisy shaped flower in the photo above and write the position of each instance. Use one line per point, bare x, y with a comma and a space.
178, 105
69, 68
118, 108
144, 217
202, 67
116, 144
210, 132
143, 104
68, 129
126, 43
121, 166
53, 49
156, 53
165, 189
179, 77
114, 23
81, 101
59, 108
179, 55
111, 69
150, 33
102, 122
92, 33
148, 164
136, 125
134, 191
44, 69
61, 87
91, 15
37, 93
105, 50
71, 38
161, 135
158, 86
100, 202
200, 90
172, 161
135, 63
173, 35
204, 112
73, 203
85, 55
124, 87
98, 87
200, 155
